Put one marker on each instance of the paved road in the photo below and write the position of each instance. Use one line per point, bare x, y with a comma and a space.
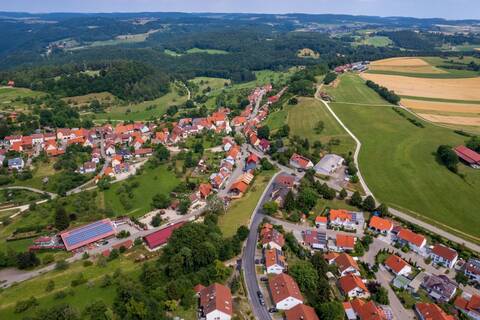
394, 211
248, 259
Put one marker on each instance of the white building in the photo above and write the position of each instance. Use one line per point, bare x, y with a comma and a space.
285, 292
329, 164
443, 255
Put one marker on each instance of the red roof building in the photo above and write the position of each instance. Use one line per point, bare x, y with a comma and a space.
353, 286
216, 302
469, 305
271, 237
160, 237
285, 291
397, 265
205, 189
301, 312
412, 238
467, 155
367, 310
345, 242
430, 311
300, 162
443, 255
380, 225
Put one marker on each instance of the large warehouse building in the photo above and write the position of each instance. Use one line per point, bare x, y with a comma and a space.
82, 236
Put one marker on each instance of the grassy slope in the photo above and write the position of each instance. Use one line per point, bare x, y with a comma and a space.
152, 181
8, 95
397, 160
241, 210
304, 117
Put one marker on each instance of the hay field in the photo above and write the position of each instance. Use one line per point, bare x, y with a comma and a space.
415, 65
457, 89
308, 53
447, 119
441, 106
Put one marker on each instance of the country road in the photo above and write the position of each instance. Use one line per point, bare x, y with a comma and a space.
395, 212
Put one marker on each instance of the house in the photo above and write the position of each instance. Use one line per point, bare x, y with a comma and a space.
344, 242
321, 221
264, 145
271, 237
443, 255
472, 270
346, 265
37, 138
239, 188
469, 305
430, 311
143, 152
215, 302
63, 133
110, 149
284, 291
234, 152
415, 241
341, 219
329, 164
363, 310
274, 261
380, 225
238, 121
205, 189
353, 287
316, 240
116, 160
285, 180
397, 265
300, 162
278, 195
88, 167
469, 156
301, 312
439, 287
16, 163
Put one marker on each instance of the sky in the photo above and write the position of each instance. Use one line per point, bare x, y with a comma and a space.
449, 9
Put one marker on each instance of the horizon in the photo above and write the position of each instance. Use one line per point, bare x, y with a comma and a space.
424, 9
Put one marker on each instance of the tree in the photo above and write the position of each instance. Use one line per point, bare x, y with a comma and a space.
95, 311
356, 199
270, 207
156, 220
460, 277
61, 265
61, 219
306, 199
242, 233
160, 201
184, 205
161, 152
305, 275
343, 194
293, 101
382, 209
474, 143
330, 77
381, 296
239, 138
289, 202
331, 311
369, 203
448, 157
263, 132
27, 260
215, 204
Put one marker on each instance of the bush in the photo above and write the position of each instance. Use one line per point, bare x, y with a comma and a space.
79, 280
61, 265
50, 286
24, 305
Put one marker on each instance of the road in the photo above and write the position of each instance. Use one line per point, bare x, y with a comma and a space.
395, 212
248, 259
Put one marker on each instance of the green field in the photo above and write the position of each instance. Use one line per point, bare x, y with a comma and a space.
241, 210
304, 117
215, 84
145, 110
10, 98
351, 89
398, 162
376, 41
151, 181
193, 51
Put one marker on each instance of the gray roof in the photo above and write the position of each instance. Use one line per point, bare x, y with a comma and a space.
329, 161
15, 162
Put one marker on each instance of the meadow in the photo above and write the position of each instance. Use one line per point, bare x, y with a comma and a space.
10, 98
398, 162
193, 51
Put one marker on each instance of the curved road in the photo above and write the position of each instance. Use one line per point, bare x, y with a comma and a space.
400, 214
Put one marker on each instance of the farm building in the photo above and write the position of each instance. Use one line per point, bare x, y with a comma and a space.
471, 157
79, 237
160, 237
329, 164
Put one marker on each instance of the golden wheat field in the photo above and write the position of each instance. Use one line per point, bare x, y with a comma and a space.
413, 65
441, 106
456, 120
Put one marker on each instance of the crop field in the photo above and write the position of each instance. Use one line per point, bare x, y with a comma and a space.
304, 117
459, 89
144, 110
152, 181
441, 106
413, 65
450, 119
398, 162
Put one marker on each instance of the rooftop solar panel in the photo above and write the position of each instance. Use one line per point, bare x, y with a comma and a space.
87, 234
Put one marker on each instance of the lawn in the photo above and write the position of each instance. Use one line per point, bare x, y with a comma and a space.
241, 210
83, 294
145, 110
351, 89
152, 181
305, 116
10, 98
398, 163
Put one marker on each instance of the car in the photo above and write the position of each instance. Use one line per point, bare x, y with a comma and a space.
263, 279
259, 294
273, 310
262, 302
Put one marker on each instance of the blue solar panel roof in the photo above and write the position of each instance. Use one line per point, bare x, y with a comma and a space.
90, 231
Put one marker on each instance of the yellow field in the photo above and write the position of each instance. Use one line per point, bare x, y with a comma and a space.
308, 53
414, 65
441, 106
462, 121
456, 89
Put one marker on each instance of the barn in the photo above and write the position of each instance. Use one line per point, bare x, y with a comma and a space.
160, 237
82, 236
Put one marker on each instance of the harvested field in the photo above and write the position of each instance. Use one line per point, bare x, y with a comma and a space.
441, 106
416, 65
465, 121
459, 89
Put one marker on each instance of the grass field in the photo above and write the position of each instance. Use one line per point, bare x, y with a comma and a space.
304, 117
10, 98
151, 182
194, 50
376, 41
241, 210
145, 110
83, 294
398, 162
88, 98
215, 84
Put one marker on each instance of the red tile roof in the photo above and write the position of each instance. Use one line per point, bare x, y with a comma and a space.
274, 257
468, 303
320, 219
301, 312
411, 237
283, 286
444, 252
240, 186
300, 160
268, 234
216, 297
345, 261
340, 214
160, 237
350, 282
285, 180
431, 311
395, 263
367, 310
345, 241
205, 189
467, 154
380, 224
